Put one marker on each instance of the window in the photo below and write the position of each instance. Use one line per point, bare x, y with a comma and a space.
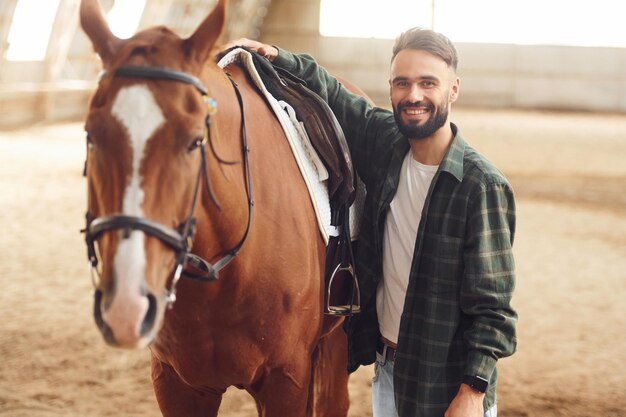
368, 19
29, 33
124, 17
527, 22
533, 22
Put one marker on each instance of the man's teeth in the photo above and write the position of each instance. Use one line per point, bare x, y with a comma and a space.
416, 111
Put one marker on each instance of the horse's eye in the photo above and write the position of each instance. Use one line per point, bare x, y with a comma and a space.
89, 140
196, 143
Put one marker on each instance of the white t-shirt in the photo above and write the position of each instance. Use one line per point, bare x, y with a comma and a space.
401, 225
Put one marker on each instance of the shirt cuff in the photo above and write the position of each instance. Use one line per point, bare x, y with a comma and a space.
284, 59
479, 364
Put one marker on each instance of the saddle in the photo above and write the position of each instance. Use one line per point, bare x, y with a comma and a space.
327, 138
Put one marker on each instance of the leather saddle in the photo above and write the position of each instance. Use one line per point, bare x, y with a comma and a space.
342, 296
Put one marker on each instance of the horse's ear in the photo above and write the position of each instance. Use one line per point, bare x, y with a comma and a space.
200, 44
95, 26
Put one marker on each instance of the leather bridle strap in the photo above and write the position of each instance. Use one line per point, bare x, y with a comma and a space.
210, 271
158, 73
167, 235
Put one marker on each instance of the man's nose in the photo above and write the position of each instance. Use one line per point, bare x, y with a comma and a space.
415, 94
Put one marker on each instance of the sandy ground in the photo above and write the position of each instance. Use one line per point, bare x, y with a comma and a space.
569, 172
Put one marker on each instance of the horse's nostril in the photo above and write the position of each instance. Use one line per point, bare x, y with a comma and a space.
106, 331
148, 320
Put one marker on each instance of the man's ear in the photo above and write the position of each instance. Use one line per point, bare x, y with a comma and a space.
454, 90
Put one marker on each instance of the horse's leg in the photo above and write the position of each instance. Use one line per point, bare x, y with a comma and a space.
284, 391
331, 376
176, 399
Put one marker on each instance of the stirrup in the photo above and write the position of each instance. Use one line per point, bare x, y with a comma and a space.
353, 305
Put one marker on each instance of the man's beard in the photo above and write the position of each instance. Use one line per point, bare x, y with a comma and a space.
413, 130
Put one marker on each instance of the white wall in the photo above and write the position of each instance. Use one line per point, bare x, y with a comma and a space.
492, 75
553, 77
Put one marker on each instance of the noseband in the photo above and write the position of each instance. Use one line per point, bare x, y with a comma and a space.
180, 240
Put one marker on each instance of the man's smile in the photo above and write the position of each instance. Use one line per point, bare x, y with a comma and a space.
416, 113
416, 110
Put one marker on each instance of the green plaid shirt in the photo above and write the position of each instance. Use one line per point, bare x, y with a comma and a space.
457, 318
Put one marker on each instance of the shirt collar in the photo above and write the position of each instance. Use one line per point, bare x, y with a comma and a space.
453, 160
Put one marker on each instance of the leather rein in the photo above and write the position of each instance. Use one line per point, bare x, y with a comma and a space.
180, 240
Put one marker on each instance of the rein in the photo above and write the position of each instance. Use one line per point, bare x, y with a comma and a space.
180, 240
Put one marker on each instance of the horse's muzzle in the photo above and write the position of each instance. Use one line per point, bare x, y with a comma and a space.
125, 338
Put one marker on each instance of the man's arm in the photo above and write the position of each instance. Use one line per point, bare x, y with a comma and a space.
486, 291
467, 403
351, 110
489, 278
361, 122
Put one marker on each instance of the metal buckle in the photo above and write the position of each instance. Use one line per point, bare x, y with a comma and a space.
170, 296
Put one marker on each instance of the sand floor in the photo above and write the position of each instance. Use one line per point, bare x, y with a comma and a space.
569, 173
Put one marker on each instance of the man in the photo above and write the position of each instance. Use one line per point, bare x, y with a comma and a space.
434, 260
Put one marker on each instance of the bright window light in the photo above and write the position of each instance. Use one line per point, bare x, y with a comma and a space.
526, 22
533, 22
372, 18
29, 34
124, 17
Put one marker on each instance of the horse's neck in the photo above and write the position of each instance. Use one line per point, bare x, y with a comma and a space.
281, 196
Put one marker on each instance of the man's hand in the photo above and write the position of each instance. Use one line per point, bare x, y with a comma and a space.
467, 403
268, 51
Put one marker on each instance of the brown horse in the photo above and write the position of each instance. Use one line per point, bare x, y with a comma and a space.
161, 102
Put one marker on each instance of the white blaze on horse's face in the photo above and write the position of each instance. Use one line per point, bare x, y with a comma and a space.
137, 110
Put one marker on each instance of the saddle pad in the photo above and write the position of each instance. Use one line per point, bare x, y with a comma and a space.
312, 169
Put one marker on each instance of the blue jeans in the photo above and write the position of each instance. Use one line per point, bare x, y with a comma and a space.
383, 398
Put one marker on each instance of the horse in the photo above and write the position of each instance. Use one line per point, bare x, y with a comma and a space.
185, 161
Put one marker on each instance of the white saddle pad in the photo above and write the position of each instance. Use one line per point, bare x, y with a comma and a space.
313, 171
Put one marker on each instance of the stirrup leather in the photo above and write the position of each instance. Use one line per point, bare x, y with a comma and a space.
342, 296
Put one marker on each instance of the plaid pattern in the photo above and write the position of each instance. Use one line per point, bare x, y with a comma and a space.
457, 318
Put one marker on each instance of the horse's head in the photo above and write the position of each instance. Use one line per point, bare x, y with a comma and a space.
144, 129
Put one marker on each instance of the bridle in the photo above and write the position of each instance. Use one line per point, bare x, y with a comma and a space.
180, 240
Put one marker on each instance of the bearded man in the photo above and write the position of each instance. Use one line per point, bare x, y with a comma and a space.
434, 260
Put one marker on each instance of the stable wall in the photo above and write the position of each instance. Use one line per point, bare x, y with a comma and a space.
58, 88
492, 75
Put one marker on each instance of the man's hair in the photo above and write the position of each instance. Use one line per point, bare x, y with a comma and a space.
427, 40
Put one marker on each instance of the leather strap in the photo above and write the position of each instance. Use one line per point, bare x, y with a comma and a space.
157, 73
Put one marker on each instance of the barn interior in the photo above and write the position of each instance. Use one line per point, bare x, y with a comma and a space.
543, 95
